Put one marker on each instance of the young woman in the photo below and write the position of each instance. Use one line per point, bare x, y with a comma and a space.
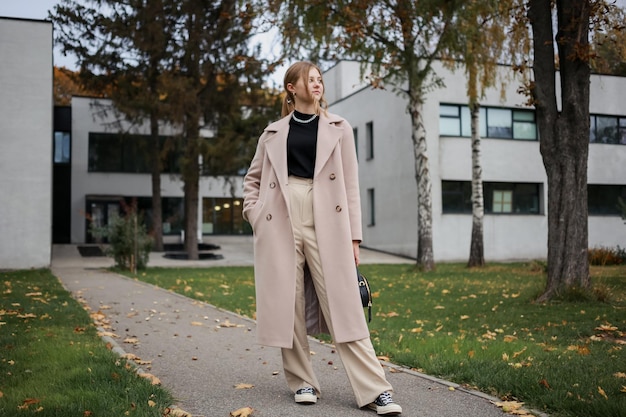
301, 196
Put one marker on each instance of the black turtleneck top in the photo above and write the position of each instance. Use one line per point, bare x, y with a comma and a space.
301, 145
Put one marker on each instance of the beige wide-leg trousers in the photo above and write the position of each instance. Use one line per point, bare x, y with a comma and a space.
365, 372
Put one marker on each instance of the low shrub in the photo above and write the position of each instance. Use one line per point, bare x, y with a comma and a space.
602, 256
129, 242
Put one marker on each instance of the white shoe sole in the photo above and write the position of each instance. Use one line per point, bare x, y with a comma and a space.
306, 398
386, 410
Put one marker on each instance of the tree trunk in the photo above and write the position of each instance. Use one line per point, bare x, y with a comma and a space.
425, 257
157, 208
564, 138
191, 178
476, 257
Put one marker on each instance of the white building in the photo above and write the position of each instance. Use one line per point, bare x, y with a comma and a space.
515, 223
62, 166
26, 108
108, 167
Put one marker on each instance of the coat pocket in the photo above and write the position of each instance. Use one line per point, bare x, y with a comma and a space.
253, 214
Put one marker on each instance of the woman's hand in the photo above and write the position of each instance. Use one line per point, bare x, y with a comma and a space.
355, 249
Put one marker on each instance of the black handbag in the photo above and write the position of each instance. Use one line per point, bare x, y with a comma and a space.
366, 293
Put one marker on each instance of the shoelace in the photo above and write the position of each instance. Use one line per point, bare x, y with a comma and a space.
307, 390
384, 399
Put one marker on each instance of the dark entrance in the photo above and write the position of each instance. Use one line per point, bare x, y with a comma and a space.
62, 175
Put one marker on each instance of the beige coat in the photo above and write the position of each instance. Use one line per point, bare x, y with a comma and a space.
337, 215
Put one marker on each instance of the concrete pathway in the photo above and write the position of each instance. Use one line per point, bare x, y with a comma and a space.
201, 353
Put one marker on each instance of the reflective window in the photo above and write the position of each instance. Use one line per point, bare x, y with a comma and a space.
606, 129
62, 147
223, 216
499, 197
371, 205
604, 199
369, 138
499, 123
110, 152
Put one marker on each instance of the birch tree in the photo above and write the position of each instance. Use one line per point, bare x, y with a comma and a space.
483, 33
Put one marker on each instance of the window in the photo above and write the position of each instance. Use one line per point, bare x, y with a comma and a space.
62, 147
125, 153
355, 133
369, 138
500, 123
502, 201
499, 197
371, 205
456, 196
449, 120
524, 125
604, 199
223, 216
607, 129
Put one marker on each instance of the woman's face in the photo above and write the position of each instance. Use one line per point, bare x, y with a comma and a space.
310, 89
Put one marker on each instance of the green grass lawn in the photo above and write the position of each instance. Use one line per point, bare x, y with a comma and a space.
53, 363
477, 327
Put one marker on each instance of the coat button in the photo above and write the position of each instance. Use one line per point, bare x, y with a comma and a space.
268, 217
332, 177
338, 209
272, 184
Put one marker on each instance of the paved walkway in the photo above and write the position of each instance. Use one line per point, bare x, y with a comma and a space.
201, 353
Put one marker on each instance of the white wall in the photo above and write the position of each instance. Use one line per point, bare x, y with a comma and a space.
391, 173
26, 112
87, 118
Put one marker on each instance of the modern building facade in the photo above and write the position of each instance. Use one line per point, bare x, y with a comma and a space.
109, 168
63, 168
26, 108
515, 184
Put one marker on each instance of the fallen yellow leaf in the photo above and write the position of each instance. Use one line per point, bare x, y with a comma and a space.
242, 412
601, 391
244, 386
516, 354
107, 334
153, 379
619, 375
227, 323
176, 412
509, 406
606, 328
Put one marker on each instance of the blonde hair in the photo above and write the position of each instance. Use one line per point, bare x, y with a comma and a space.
296, 72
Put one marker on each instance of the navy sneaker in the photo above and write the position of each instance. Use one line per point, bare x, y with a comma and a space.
385, 406
306, 396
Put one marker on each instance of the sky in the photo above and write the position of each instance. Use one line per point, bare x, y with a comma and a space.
35, 9
38, 9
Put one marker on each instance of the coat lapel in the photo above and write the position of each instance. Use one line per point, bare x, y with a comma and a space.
328, 136
276, 148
